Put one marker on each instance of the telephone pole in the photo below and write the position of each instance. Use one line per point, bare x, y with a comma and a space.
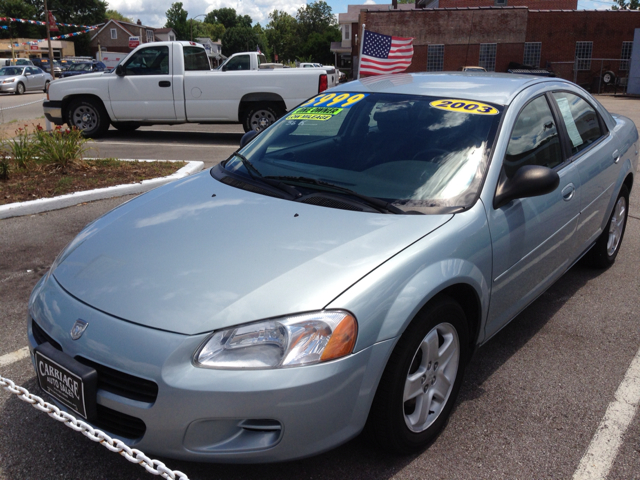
46, 16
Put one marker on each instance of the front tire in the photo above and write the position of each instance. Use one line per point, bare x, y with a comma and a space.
604, 252
20, 89
259, 117
89, 116
422, 378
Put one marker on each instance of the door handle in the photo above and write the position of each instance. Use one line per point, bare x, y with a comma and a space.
568, 191
616, 156
164, 83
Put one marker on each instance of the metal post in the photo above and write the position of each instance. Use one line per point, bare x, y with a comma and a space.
600, 78
360, 56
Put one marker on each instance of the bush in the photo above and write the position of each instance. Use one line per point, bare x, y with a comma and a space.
60, 148
20, 148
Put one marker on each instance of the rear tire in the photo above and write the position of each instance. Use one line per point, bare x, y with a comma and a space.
89, 116
604, 252
259, 116
422, 378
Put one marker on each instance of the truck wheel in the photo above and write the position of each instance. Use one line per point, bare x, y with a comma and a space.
259, 117
126, 127
89, 116
19, 89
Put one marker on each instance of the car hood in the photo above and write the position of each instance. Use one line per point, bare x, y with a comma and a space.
2, 77
197, 255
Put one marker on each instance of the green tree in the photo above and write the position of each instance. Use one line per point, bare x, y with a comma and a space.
239, 39
623, 5
317, 48
202, 29
281, 33
177, 19
228, 17
315, 17
116, 15
19, 9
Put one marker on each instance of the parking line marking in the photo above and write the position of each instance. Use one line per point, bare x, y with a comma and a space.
14, 357
603, 449
177, 145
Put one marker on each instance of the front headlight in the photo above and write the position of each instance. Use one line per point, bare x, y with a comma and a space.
9, 80
295, 340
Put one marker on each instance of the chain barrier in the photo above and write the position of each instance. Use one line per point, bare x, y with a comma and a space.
133, 455
23, 105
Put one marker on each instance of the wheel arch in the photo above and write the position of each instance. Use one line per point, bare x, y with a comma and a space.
250, 99
628, 181
66, 101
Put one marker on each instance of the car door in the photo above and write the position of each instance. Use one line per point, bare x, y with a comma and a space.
533, 238
145, 92
36, 80
595, 153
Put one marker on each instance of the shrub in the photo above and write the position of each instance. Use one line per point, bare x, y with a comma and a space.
20, 148
60, 148
5, 163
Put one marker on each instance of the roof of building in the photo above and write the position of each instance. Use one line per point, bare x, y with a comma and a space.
163, 30
351, 16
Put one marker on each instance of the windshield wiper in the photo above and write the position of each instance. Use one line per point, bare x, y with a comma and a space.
255, 175
371, 201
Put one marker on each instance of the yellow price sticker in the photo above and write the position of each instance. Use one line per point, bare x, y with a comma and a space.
335, 100
465, 106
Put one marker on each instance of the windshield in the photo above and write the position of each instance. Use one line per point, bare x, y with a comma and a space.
11, 70
80, 67
413, 151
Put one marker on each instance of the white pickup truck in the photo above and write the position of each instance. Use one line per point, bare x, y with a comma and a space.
172, 83
257, 61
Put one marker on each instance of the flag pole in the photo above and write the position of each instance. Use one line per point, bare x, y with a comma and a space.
360, 55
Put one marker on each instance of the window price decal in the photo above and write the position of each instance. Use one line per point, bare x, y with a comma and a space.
464, 106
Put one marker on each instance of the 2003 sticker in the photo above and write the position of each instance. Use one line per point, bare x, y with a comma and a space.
464, 106
337, 100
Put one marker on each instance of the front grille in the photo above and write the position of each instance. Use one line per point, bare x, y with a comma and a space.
41, 336
123, 384
119, 423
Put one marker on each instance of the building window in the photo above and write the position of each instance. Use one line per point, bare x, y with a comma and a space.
150, 37
114, 33
172, 38
583, 55
625, 55
435, 58
500, 3
346, 31
488, 56
532, 53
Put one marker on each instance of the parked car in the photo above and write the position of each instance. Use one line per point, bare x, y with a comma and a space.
472, 69
21, 79
337, 271
17, 62
81, 68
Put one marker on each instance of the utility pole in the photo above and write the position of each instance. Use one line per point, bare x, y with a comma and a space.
46, 16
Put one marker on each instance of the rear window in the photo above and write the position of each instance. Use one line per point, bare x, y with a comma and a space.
195, 58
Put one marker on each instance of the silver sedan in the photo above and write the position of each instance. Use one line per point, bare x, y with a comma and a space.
336, 273
21, 79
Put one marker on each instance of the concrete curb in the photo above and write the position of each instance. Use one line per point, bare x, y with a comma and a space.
45, 204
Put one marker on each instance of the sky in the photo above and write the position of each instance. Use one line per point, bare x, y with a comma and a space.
152, 12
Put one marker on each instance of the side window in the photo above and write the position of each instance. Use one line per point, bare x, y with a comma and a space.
241, 62
149, 61
534, 139
580, 119
195, 59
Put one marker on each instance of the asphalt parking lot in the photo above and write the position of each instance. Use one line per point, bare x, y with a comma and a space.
532, 400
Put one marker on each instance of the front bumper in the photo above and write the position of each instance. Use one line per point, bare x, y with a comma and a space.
53, 111
232, 416
8, 88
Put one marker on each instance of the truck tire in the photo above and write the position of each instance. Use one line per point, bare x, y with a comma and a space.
126, 127
608, 78
89, 116
259, 116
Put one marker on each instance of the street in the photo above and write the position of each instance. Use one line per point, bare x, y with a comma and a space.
530, 404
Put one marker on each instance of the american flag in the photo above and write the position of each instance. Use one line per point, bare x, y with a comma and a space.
385, 54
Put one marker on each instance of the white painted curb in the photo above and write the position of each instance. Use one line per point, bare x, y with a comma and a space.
46, 204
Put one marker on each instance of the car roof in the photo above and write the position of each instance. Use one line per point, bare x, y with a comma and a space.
498, 88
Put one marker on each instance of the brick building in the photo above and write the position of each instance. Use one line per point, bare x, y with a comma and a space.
492, 37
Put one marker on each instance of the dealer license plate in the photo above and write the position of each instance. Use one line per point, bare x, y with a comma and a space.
67, 380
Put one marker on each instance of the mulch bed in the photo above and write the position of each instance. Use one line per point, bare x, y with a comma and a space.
46, 182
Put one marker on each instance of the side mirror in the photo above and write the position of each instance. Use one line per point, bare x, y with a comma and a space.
27, 74
528, 181
120, 71
247, 137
